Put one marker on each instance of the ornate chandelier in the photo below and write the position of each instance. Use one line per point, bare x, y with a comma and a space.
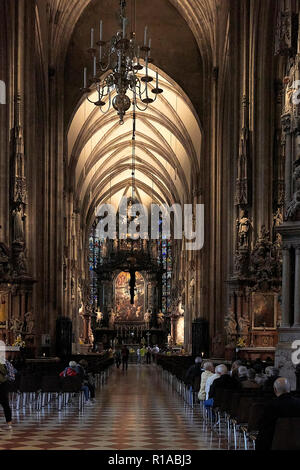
121, 57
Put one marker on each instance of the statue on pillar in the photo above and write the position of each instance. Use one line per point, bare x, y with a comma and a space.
230, 326
160, 319
147, 318
243, 225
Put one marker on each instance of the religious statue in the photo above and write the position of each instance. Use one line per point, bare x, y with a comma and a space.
290, 89
277, 218
18, 225
160, 319
230, 326
244, 324
21, 264
29, 322
16, 326
243, 226
147, 318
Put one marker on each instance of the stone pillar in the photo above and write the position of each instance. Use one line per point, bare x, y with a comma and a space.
297, 288
288, 160
286, 286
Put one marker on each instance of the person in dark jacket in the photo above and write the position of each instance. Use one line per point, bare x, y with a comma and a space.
284, 406
272, 374
193, 375
125, 356
225, 381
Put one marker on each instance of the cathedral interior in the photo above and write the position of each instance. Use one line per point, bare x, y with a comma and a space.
192, 102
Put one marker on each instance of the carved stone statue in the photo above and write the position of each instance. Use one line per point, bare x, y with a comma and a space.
18, 225
160, 319
147, 317
277, 219
243, 325
293, 207
21, 264
243, 228
16, 326
230, 326
29, 321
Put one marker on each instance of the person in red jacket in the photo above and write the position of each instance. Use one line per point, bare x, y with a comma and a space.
70, 370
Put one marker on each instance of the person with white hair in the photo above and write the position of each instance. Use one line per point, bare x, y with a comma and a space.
242, 373
283, 406
272, 373
72, 371
208, 369
225, 381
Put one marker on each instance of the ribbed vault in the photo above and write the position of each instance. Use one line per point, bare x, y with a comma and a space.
167, 156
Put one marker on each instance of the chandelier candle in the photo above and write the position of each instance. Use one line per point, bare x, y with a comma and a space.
92, 38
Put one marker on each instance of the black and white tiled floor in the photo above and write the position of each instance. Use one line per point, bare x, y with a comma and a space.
134, 410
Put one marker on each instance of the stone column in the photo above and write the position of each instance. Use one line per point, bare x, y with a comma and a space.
286, 286
288, 167
297, 288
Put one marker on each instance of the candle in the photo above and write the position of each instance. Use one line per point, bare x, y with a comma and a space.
95, 66
101, 27
124, 28
145, 35
147, 64
92, 38
84, 78
138, 53
156, 78
150, 43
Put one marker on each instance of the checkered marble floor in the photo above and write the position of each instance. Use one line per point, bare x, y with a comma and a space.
133, 410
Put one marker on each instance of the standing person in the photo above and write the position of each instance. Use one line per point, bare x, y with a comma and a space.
143, 352
118, 357
155, 351
138, 353
4, 400
148, 355
125, 356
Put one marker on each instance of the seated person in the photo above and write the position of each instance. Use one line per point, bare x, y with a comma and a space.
272, 374
260, 377
283, 406
234, 369
83, 365
225, 381
250, 382
208, 371
69, 371
193, 374
72, 371
242, 374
